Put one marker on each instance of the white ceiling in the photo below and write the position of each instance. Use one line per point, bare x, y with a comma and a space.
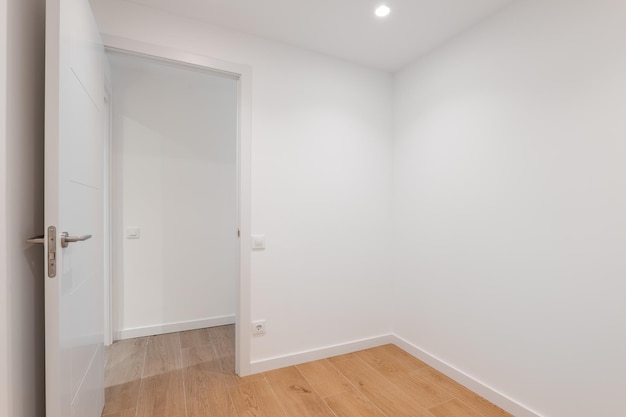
343, 28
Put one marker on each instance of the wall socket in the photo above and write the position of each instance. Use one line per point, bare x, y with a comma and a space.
258, 327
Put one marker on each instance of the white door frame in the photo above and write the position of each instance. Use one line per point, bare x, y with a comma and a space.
243, 75
106, 233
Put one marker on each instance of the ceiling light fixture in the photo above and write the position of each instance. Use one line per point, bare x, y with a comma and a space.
383, 11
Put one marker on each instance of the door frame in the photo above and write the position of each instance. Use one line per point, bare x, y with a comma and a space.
242, 73
107, 242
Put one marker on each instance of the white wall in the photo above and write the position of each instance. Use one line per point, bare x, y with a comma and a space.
321, 181
21, 208
509, 205
174, 177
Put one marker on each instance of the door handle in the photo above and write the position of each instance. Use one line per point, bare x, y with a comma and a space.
52, 249
66, 239
36, 239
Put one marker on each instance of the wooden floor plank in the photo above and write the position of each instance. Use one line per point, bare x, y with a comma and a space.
162, 396
223, 340
454, 408
396, 403
324, 378
163, 355
379, 390
193, 338
121, 397
362, 376
125, 361
461, 393
379, 357
207, 393
352, 404
402, 375
228, 377
224, 336
296, 395
342, 357
126, 413
256, 399
200, 354
484, 406
401, 355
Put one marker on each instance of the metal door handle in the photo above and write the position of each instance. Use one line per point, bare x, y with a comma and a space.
52, 249
66, 239
36, 239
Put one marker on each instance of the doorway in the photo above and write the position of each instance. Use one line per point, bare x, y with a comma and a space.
180, 204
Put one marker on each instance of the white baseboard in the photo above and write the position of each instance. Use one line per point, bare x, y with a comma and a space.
173, 327
496, 397
317, 354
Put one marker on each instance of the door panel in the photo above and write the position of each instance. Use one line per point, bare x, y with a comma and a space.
73, 203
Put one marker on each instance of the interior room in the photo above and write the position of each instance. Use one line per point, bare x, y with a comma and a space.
173, 197
437, 195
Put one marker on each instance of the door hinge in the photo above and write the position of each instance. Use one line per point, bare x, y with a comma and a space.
238, 233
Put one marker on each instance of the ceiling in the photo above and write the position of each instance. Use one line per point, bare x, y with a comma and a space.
346, 29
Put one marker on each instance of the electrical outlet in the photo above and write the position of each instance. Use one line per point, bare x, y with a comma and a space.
258, 327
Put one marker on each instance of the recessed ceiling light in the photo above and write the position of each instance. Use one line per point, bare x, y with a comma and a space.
383, 11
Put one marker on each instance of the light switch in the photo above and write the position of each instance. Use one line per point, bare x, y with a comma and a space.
258, 242
132, 233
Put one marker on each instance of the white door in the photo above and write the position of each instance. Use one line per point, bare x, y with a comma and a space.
73, 204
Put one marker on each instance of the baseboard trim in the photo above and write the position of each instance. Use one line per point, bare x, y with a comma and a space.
317, 354
484, 390
173, 327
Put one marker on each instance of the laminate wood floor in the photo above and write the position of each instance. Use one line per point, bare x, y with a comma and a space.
190, 374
